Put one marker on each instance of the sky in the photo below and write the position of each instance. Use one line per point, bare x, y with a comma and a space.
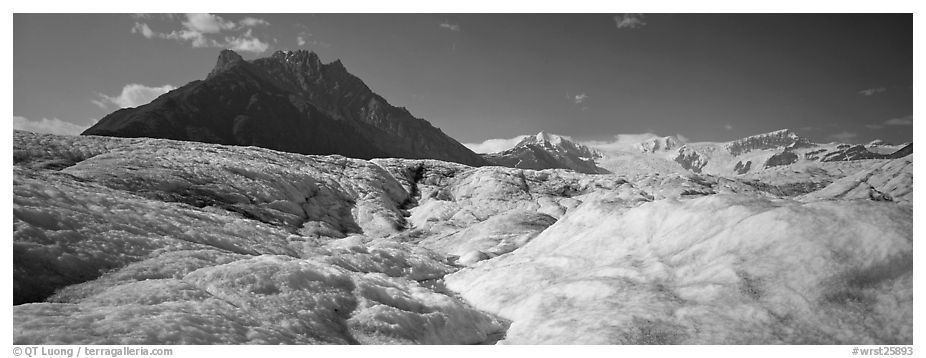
593, 77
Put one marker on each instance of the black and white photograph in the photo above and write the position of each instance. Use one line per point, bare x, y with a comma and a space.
461, 178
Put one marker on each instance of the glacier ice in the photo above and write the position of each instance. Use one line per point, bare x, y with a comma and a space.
716, 269
144, 241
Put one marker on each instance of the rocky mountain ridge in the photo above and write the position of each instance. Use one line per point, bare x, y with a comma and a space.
289, 101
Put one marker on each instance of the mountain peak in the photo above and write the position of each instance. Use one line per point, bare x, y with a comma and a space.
547, 137
227, 59
544, 138
287, 101
546, 151
558, 143
656, 144
297, 57
781, 133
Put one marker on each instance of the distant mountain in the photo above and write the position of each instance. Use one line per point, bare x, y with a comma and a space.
860, 152
780, 138
776, 149
753, 154
548, 151
657, 144
291, 102
880, 147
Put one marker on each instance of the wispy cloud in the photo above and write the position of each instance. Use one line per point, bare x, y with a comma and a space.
50, 126
246, 43
133, 95
253, 22
844, 136
144, 30
728, 127
900, 121
449, 26
207, 30
207, 23
872, 91
629, 21
305, 38
495, 145
580, 98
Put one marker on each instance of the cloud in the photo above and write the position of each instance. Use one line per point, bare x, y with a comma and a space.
248, 43
449, 26
495, 145
253, 22
901, 121
207, 23
144, 30
629, 21
205, 30
843, 136
133, 95
303, 41
872, 91
51, 126
728, 126
579, 98
305, 38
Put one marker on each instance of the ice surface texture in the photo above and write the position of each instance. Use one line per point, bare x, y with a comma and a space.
142, 241
717, 269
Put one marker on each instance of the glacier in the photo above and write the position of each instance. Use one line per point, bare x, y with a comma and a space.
152, 241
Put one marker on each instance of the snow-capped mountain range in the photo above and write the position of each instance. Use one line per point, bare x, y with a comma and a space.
291, 101
752, 154
778, 148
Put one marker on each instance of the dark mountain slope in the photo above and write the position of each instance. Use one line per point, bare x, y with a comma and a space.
289, 101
